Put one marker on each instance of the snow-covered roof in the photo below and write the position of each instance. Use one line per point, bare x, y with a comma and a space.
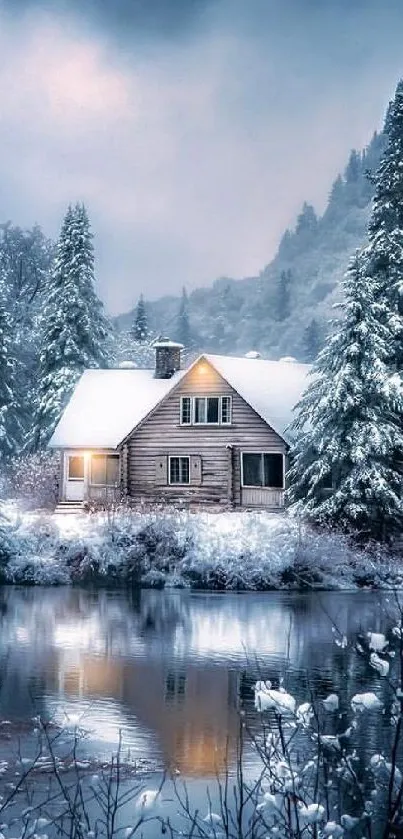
108, 404
272, 388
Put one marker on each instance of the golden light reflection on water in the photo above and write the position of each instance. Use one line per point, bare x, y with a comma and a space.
168, 669
192, 715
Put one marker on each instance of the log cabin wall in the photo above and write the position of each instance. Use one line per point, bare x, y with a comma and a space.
216, 448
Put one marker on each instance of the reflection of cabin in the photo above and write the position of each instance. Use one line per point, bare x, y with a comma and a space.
191, 713
215, 432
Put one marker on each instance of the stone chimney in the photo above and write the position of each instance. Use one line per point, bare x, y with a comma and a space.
167, 358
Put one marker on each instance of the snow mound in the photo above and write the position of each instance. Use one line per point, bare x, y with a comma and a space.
266, 699
365, 702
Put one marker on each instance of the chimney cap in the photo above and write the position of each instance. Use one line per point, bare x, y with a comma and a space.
166, 343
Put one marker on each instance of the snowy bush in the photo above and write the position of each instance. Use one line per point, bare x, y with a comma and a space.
32, 479
237, 551
7, 548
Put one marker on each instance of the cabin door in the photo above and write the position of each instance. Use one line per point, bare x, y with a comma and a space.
75, 475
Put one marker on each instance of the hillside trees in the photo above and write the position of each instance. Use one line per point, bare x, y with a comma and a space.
282, 303
350, 422
235, 315
75, 331
312, 340
307, 221
182, 331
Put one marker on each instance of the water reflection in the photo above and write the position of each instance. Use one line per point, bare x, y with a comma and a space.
171, 669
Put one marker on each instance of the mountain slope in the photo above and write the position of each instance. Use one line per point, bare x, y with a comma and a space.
285, 310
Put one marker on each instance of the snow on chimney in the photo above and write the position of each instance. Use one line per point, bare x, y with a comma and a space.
167, 358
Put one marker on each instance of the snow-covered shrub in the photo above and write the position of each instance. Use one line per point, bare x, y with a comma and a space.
235, 551
7, 548
33, 479
9, 544
319, 557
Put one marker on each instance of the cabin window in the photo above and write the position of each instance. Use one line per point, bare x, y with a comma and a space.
186, 410
263, 469
76, 468
200, 410
179, 470
105, 469
206, 410
225, 410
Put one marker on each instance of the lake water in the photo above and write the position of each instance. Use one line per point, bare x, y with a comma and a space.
171, 670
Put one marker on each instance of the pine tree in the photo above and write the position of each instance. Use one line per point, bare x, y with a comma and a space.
25, 259
336, 204
312, 340
75, 331
183, 332
9, 421
140, 325
353, 168
286, 246
347, 428
307, 220
384, 253
283, 297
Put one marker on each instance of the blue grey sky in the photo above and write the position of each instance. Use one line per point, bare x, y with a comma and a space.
192, 129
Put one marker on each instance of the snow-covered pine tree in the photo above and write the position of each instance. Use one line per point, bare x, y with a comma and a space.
25, 259
384, 253
9, 421
139, 353
76, 332
182, 331
140, 330
348, 430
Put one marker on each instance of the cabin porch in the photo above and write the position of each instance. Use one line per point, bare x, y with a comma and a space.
92, 475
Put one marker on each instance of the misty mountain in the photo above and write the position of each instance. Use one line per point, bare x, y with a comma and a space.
286, 309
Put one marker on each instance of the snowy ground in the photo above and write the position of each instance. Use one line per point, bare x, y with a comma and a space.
237, 550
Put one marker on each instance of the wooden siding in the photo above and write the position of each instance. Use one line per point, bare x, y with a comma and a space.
103, 494
262, 497
219, 447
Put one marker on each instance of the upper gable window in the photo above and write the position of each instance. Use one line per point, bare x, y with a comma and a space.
206, 410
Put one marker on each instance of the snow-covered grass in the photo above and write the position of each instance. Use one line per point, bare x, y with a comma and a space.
234, 550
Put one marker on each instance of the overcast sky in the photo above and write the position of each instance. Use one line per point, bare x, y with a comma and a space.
192, 129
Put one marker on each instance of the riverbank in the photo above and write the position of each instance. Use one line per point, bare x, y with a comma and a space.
223, 551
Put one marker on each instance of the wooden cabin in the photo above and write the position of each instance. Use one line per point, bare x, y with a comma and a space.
215, 432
